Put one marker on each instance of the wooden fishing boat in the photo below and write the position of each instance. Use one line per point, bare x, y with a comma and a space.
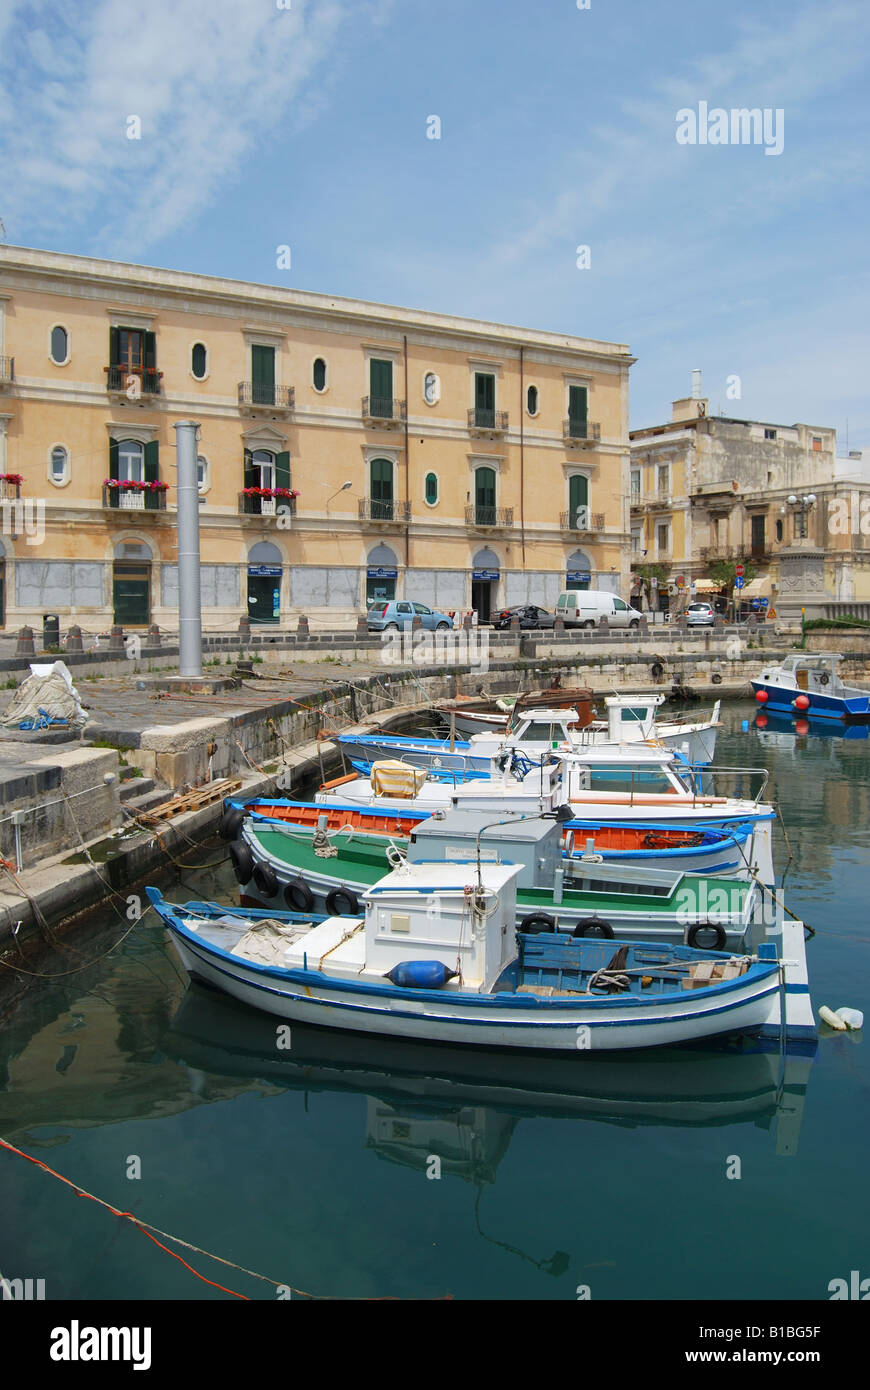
278, 867
808, 684
434, 956
703, 850
491, 714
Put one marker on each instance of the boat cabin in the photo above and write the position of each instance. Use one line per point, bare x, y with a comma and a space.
810, 673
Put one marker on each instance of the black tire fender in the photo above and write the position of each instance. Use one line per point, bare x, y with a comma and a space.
593, 926
695, 931
342, 902
242, 860
657, 671
538, 922
231, 823
298, 896
266, 880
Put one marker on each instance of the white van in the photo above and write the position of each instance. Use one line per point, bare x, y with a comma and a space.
586, 608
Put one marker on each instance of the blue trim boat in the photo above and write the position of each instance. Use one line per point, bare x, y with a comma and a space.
807, 683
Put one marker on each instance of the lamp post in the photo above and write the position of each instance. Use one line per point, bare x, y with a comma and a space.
189, 599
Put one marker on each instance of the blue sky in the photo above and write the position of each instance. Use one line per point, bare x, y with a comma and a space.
307, 127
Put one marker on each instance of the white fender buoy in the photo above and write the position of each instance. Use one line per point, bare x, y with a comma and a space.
833, 1020
853, 1018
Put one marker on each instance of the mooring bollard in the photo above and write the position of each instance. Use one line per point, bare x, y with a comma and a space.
515, 623
74, 640
362, 627
559, 625
603, 624
643, 626
244, 628
154, 635
302, 629
116, 640
416, 623
24, 646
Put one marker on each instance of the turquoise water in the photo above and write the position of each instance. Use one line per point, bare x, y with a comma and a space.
310, 1167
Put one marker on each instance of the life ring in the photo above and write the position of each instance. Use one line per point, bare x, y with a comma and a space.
593, 926
657, 670
231, 823
695, 931
342, 902
266, 879
243, 861
538, 922
824, 678
569, 843
298, 896
716, 678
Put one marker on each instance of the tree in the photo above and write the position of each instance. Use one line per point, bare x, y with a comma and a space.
647, 573
724, 572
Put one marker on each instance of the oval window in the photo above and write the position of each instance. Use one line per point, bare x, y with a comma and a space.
58, 464
319, 374
59, 344
198, 360
431, 489
431, 388
532, 400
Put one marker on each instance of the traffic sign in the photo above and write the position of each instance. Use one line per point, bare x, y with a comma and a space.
739, 582
654, 583
680, 581
738, 569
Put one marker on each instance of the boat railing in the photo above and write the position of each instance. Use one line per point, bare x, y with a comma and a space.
699, 774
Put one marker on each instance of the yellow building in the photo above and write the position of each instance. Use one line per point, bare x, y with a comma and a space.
348, 450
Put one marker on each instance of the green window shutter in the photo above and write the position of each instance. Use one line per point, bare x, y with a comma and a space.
114, 347
431, 489
251, 475
382, 480
484, 391
113, 459
577, 406
152, 461
578, 496
381, 379
282, 470
262, 366
484, 487
150, 351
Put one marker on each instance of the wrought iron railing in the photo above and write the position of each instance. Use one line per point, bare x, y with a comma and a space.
383, 509
7, 371
578, 428
148, 380
260, 503
385, 408
481, 418
481, 516
134, 499
264, 393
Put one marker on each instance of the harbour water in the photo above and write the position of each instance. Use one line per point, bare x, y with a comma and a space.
343, 1168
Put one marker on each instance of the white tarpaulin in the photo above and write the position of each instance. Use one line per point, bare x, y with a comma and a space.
47, 694
759, 587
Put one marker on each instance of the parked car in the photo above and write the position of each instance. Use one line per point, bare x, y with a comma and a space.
529, 614
700, 615
586, 608
398, 614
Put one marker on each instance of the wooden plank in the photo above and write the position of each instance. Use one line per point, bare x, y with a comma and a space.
193, 800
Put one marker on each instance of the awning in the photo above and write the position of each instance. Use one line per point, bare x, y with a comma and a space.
707, 586
760, 587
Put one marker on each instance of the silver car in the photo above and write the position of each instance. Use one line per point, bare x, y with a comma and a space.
700, 615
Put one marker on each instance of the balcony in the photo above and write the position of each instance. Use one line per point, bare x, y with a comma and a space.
10, 487
383, 511
582, 519
133, 382
266, 501
662, 497
264, 398
491, 422
7, 372
383, 412
482, 518
580, 432
135, 497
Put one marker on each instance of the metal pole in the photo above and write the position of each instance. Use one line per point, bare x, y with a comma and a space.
189, 603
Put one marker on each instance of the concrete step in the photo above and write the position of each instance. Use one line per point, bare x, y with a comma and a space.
134, 788
148, 801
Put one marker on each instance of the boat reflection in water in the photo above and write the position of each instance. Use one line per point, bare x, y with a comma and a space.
464, 1105
770, 722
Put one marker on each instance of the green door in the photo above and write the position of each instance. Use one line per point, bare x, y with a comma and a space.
131, 594
577, 411
382, 490
381, 388
484, 497
484, 400
262, 375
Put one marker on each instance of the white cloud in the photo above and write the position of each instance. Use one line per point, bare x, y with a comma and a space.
211, 81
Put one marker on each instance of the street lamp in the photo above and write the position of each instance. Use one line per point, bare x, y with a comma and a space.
344, 487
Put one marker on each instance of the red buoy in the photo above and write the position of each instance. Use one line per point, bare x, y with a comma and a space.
801, 702
802, 726
761, 696
761, 721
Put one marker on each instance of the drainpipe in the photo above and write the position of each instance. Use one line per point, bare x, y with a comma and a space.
522, 463
407, 464
189, 604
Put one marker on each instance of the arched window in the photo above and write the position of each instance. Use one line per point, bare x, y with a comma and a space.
382, 506
131, 461
59, 465
532, 400
431, 489
59, 344
201, 472
381, 572
318, 374
484, 497
578, 570
265, 462
199, 360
